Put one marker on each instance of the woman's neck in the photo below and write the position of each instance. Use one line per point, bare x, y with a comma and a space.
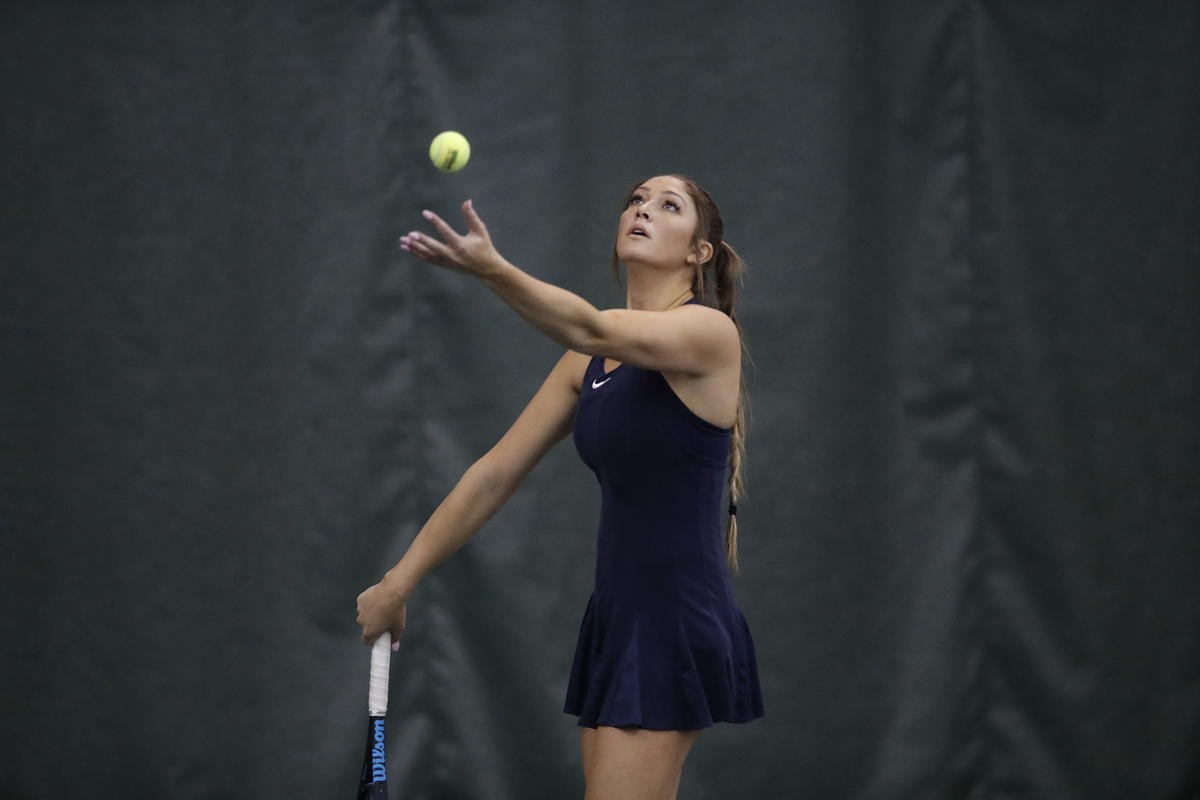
656, 292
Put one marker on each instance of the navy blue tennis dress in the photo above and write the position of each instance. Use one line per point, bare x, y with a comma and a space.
662, 645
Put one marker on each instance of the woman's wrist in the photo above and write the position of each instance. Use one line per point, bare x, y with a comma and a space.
495, 271
396, 583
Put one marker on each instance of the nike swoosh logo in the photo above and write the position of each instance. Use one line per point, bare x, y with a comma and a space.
597, 384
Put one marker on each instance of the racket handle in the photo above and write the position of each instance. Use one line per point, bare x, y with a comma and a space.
381, 663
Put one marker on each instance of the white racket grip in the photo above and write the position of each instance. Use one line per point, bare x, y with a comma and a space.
381, 664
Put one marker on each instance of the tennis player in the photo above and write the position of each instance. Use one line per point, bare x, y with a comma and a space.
653, 394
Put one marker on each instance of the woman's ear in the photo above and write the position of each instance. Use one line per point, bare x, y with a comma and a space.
701, 253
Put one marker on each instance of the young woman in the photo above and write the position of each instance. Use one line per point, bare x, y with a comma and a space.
653, 394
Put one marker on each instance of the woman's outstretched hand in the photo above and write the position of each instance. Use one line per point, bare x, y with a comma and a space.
472, 252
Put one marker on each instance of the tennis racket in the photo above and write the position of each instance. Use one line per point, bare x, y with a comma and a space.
373, 783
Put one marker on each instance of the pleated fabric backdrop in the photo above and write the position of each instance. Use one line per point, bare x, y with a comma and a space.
970, 545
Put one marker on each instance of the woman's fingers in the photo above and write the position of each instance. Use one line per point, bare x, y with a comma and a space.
449, 248
423, 246
398, 628
445, 231
449, 235
474, 223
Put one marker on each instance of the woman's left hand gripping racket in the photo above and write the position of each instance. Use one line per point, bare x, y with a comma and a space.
373, 783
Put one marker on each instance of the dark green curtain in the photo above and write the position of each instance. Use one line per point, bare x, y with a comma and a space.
970, 545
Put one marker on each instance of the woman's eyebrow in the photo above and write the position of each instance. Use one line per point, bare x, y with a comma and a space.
664, 191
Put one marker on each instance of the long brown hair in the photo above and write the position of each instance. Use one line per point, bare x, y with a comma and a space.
716, 283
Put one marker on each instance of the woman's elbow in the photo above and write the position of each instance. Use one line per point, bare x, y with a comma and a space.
590, 336
489, 477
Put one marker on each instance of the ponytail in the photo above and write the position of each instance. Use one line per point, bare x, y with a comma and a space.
716, 284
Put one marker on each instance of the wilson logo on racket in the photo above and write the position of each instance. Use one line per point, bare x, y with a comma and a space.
378, 765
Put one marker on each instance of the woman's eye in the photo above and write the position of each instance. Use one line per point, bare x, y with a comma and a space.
636, 200
670, 205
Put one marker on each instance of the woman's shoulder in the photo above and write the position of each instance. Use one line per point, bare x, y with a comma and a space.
573, 367
713, 322
703, 311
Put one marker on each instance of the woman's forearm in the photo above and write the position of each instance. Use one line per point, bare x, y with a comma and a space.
475, 498
562, 315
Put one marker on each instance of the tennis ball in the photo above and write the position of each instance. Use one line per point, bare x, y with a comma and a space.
449, 151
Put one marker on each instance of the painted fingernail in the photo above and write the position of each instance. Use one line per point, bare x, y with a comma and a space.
427, 214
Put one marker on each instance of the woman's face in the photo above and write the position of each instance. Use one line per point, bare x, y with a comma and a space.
658, 224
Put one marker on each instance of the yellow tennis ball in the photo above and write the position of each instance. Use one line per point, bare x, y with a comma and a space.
449, 151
